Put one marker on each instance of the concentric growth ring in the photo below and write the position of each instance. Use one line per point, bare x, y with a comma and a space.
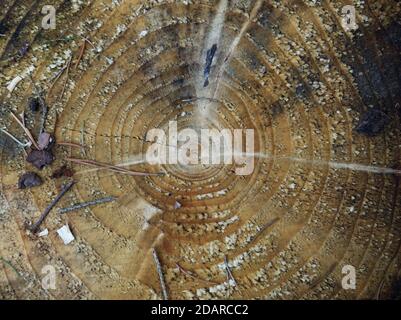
317, 199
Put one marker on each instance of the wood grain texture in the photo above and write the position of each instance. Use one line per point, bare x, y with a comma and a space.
284, 68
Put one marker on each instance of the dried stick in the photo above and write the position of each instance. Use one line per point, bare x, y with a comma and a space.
394, 257
110, 167
70, 144
229, 273
34, 228
11, 266
99, 165
379, 292
22, 116
58, 75
198, 98
21, 144
66, 77
267, 225
87, 40
324, 276
86, 204
160, 272
81, 53
194, 276
26, 130
82, 139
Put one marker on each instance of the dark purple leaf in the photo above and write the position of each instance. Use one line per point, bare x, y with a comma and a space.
29, 180
40, 158
44, 140
64, 171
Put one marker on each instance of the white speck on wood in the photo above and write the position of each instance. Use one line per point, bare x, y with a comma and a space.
43, 233
143, 33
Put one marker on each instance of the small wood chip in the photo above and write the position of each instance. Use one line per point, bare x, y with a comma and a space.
65, 234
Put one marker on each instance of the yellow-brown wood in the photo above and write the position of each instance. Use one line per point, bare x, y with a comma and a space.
287, 69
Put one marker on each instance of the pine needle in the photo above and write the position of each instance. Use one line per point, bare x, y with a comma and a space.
26, 130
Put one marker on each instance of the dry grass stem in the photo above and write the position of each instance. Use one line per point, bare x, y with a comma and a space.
111, 167
26, 130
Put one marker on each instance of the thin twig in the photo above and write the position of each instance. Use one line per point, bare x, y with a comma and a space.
82, 139
22, 115
97, 164
324, 276
21, 144
194, 276
267, 225
110, 167
26, 130
81, 53
71, 144
86, 204
160, 272
58, 75
192, 99
34, 228
229, 273
394, 257
87, 40
379, 292
188, 273
11, 266
66, 77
